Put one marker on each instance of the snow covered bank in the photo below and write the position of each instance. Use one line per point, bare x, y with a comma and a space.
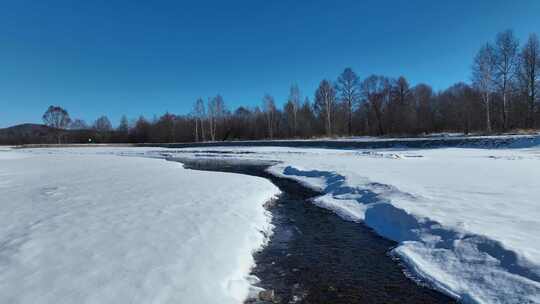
477, 142
467, 220
86, 227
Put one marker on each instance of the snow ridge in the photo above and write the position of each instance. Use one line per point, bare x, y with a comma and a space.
469, 267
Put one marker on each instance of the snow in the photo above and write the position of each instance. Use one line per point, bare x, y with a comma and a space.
88, 226
467, 220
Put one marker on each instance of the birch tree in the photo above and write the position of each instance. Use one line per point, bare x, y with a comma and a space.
220, 111
123, 126
216, 114
270, 110
199, 117
212, 113
56, 117
483, 78
348, 86
103, 124
325, 99
78, 124
530, 74
196, 133
294, 101
506, 63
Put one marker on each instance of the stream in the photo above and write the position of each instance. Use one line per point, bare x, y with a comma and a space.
314, 256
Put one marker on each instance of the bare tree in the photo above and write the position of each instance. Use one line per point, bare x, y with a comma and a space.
164, 128
530, 74
325, 99
216, 112
78, 124
103, 124
196, 128
422, 95
306, 119
375, 90
212, 118
142, 130
402, 89
483, 77
123, 129
402, 114
294, 101
221, 112
503, 95
269, 107
123, 126
200, 115
348, 86
457, 112
56, 117
506, 62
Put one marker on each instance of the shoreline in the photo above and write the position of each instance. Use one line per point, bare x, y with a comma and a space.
302, 262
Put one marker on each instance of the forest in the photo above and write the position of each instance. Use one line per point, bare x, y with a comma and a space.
501, 96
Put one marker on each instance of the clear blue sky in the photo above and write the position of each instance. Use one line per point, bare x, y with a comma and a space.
147, 57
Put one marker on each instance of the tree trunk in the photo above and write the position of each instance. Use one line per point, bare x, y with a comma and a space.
294, 122
212, 129
533, 98
379, 121
196, 130
488, 115
530, 119
328, 121
203, 137
504, 111
350, 118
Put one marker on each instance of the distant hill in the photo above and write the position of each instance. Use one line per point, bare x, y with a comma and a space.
28, 133
41, 134
27, 128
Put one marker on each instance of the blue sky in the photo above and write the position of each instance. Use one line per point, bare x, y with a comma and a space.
147, 57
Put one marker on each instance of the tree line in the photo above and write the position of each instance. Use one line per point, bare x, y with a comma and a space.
501, 96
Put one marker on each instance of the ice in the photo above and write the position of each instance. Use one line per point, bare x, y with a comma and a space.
81, 226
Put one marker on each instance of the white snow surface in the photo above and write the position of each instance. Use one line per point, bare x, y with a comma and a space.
467, 220
88, 226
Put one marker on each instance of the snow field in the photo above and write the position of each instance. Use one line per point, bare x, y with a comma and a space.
107, 229
467, 220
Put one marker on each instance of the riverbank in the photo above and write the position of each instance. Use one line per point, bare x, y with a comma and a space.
476, 141
459, 215
313, 256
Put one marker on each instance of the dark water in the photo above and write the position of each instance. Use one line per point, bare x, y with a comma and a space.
316, 257
429, 142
